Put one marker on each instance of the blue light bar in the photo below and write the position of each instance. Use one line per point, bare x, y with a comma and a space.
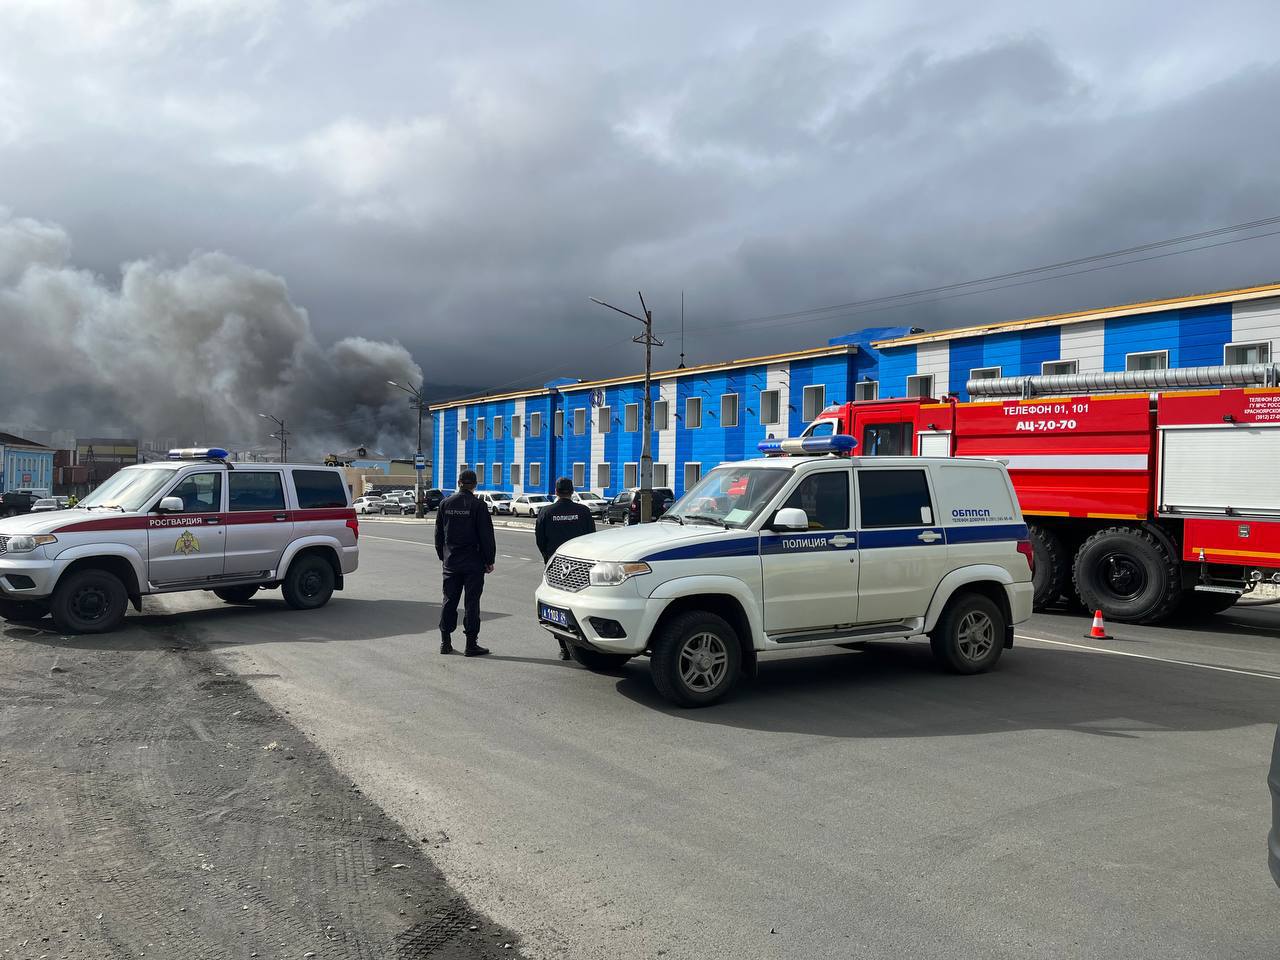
839, 443
198, 453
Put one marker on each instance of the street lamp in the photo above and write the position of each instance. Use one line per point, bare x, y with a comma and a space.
417, 402
646, 452
280, 434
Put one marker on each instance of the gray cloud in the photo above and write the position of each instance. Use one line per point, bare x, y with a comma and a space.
460, 181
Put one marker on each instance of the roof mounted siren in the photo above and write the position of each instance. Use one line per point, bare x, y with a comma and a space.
214, 454
840, 445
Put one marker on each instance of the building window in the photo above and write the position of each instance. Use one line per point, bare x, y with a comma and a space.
535, 424
866, 390
497, 474
580, 421
559, 423
630, 476
515, 425
479, 474
984, 373
1155, 360
497, 428
1059, 368
728, 410
464, 430
661, 414
535, 475
692, 474
921, 385
515, 474
604, 419
693, 413
770, 406
661, 475
632, 417
579, 475
815, 399
1235, 353
479, 428
602, 475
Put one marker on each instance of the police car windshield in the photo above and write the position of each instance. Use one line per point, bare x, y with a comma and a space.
733, 496
129, 490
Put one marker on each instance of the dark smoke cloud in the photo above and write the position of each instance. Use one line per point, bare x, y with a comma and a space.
192, 352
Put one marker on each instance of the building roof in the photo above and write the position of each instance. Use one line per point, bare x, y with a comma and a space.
1259, 292
573, 386
9, 440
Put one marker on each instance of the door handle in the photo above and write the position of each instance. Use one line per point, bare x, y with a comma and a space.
840, 540
209, 520
280, 516
929, 536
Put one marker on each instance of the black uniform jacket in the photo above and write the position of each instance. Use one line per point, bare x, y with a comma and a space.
560, 523
464, 533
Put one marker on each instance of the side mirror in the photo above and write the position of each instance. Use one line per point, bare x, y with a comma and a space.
171, 505
790, 518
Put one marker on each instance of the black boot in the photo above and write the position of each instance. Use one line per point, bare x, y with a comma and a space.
446, 644
474, 649
564, 651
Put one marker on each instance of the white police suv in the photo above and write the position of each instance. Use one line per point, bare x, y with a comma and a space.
192, 522
793, 551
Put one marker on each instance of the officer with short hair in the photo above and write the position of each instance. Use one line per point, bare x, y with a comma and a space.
560, 523
466, 546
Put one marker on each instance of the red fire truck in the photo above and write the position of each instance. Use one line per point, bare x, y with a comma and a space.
1140, 504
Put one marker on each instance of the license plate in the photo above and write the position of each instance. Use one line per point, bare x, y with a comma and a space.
553, 615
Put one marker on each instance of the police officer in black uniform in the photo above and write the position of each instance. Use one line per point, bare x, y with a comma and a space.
466, 546
560, 523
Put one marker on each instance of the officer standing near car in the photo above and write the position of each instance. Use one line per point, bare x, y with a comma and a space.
560, 523
466, 546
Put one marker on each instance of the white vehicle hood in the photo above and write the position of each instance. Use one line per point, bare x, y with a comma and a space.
48, 521
635, 543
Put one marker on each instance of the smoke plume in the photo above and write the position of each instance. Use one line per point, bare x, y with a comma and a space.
192, 352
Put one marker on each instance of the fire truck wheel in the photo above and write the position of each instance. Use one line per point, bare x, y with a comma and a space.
1053, 567
89, 601
695, 659
1128, 574
235, 594
969, 637
1200, 603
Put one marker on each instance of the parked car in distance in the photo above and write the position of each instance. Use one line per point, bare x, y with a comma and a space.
497, 501
368, 505
399, 503
592, 501
15, 502
625, 507
431, 499
529, 504
47, 505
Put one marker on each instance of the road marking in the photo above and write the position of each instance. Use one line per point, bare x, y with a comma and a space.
416, 543
1145, 656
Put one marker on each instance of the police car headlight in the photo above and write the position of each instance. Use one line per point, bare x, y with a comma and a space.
25, 544
609, 573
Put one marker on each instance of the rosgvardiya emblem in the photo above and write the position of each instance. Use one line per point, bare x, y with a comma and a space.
187, 544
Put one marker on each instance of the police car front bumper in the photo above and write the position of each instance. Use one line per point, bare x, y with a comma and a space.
26, 576
598, 614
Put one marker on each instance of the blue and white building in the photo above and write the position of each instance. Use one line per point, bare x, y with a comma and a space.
24, 464
590, 430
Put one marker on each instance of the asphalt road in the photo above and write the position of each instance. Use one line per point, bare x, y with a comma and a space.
1076, 802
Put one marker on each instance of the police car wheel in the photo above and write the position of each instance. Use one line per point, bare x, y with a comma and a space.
235, 594
23, 610
969, 637
308, 584
696, 659
90, 601
597, 661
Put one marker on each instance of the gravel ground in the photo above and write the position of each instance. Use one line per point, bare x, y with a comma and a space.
152, 805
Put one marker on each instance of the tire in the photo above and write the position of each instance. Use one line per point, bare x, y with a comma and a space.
89, 601
1053, 567
969, 637
597, 661
1129, 574
236, 594
690, 682
23, 610
309, 583
1200, 603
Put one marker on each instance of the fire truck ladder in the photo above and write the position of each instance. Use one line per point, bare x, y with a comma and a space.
1068, 384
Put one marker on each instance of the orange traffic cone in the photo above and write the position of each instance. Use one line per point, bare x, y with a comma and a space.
1099, 630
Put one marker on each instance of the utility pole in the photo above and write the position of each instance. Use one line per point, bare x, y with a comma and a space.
281, 434
646, 443
419, 462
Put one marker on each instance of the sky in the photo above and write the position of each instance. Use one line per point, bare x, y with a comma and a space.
451, 182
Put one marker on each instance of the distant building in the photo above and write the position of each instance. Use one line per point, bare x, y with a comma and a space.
704, 415
103, 456
24, 464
